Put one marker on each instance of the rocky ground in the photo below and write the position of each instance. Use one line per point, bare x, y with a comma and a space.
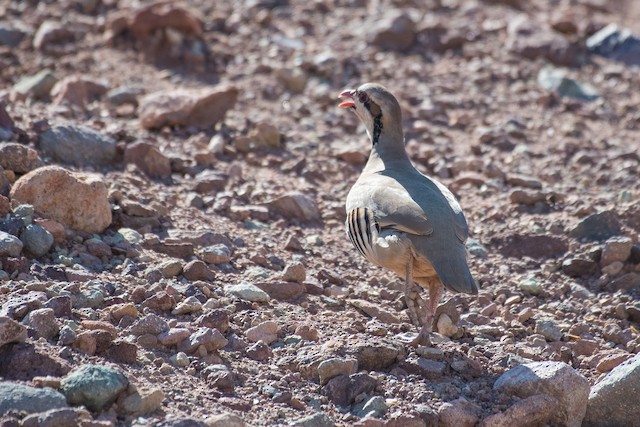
172, 180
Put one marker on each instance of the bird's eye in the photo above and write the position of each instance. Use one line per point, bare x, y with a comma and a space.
362, 97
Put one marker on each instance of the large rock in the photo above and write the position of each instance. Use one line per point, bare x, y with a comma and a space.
558, 380
77, 145
613, 401
94, 386
530, 412
18, 397
19, 158
201, 108
76, 200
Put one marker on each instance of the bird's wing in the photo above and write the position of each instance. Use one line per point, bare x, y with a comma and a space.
459, 221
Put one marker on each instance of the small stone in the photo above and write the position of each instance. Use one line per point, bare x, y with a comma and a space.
616, 43
173, 336
294, 272
77, 145
189, 305
577, 267
266, 332
211, 339
548, 329
259, 351
331, 368
531, 411
397, 31
10, 245
11, 331
149, 159
375, 311
94, 386
295, 205
43, 322
37, 86
613, 269
10, 36
51, 32
77, 91
556, 80
445, 326
197, 270
216, 254
19, 158
37, 240
224, 420
531, 285
458, 413
295, 80
374, 407
118, 311
200, 108
248, 292
180, 359
431, 369
142, 402
525, 197
318, 419
616, 249
150, 324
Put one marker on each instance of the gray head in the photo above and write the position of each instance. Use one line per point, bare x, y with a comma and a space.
378, 109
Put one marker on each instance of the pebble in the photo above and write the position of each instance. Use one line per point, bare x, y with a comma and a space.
266, 332
142, 402
616, 249
173, 336
458, 413
616, 43
151, 324
198, 270
37, 240
149, 159
476, 249
445, 326
51, 32
548, 329
295, 205
77, 145
374, 310
294, 272
259, 351
374, 407
11, 331
531, 411
216, 254
10, 36
331, 368
189, 305
210, 339
200, 108
531, 285
180, 359
318, 419
248, 292
556, 80
19, 158
37, 86
10, 245
224, 420
43, 322
19, 397
396, 31
94, 386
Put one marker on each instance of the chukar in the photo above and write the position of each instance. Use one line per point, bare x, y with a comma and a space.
402, 220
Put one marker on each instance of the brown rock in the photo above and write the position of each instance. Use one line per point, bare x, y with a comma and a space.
215, 319
122, 352
77, 90
533, 411
282, 290
201, 108
51, 32
149, 159
295, 205
458, 413
396, 31
375, 311
144, 21
76, 200
198, 270
19, 158
259, 351
23, 361
11, 331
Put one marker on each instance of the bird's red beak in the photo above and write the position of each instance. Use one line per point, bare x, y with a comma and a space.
349, 102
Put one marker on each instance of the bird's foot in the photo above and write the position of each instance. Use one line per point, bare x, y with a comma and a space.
420, 339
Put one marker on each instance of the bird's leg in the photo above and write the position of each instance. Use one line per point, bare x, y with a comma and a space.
411, 294
435, 293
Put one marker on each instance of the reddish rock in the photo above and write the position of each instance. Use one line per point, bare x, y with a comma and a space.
529, 245
77, 200
149, 159
19, 158
201, 108
77, 90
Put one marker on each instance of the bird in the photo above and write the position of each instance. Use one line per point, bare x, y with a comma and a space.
401, 219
